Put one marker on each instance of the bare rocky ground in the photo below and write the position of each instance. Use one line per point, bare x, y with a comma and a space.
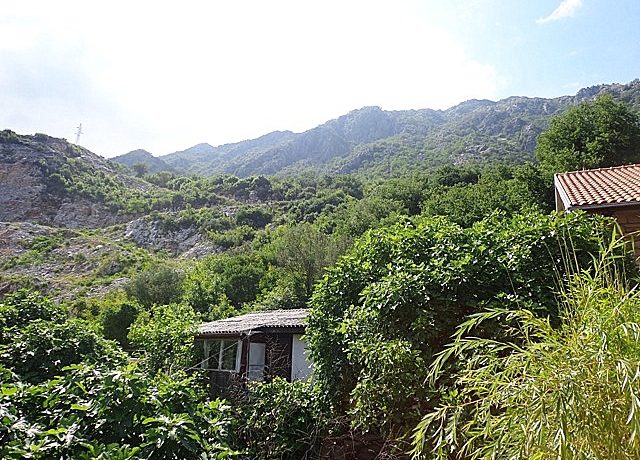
65, 263
71, 263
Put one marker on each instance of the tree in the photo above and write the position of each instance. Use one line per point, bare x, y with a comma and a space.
204, 292
305, 251
165, 333
160, 285
140, 169
116, 318
591, 135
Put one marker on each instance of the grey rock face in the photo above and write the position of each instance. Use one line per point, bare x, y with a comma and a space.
151, 234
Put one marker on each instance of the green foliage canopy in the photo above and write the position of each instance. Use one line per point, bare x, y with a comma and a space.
38, 340
591, 135
380, 315
165, 333
160, 285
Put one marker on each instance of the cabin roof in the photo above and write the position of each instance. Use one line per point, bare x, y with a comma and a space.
603, 187
261, 321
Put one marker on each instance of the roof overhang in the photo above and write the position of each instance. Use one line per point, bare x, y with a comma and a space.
627, 204
250, 332
569, 206
566, 202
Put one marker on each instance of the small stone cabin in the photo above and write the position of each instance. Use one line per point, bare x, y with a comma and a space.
613, 192
254, 347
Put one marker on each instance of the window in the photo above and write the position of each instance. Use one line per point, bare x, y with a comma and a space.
223, 355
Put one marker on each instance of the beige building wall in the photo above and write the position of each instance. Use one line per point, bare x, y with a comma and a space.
628, 218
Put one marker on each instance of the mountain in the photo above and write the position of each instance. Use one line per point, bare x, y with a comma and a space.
204, 159
373, 140
153, 164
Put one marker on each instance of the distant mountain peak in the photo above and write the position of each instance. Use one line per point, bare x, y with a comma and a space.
153, 164
370, 137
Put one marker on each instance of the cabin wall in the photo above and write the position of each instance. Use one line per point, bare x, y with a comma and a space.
278, 348
628, 218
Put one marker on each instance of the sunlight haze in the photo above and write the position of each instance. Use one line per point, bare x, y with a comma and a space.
166, 76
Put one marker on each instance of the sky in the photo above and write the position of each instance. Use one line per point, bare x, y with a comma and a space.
164, 76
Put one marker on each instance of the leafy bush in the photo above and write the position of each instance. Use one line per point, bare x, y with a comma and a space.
116, 318
38, 341
280, 420
157, 286
165, 334
204, 291
41, 349
101, 412
383, 312
24, 306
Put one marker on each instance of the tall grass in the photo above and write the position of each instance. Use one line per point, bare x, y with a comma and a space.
565, 392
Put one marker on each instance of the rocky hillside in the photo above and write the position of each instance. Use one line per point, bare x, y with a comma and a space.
374, 140
49, 181
73, 224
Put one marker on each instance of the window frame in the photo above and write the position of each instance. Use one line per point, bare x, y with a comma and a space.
218, 346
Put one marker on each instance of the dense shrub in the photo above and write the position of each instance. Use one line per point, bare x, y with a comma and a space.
157, 286
41, 349
91, 412
22, 307
38, 340
165, 335
383, 312
280, 420
116, 318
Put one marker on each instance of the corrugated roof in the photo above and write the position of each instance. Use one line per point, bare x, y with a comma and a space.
272, 319
602, 187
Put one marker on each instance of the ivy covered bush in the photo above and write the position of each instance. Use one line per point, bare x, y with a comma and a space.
280, 420
388, 307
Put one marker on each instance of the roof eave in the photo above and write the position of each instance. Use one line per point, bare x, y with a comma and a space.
262, 330
562, 193
588, 207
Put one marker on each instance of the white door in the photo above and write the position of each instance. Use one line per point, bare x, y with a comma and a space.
301, 366
256, 361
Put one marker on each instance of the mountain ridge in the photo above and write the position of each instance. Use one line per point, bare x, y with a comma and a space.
371, 139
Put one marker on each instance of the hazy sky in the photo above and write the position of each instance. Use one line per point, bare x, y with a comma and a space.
164, 76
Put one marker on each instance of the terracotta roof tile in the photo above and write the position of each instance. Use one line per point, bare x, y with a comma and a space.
600, 187
271, 319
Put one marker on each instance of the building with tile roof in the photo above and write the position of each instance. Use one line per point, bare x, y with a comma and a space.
615, 187
613, 192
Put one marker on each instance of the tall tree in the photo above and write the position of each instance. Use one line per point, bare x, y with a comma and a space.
305, 251
591, 135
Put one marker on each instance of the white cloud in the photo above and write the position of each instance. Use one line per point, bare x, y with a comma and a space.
566, 9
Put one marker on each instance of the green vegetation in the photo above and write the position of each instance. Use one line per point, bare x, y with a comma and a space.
568, 392
591, 135
387, 308
452, 315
